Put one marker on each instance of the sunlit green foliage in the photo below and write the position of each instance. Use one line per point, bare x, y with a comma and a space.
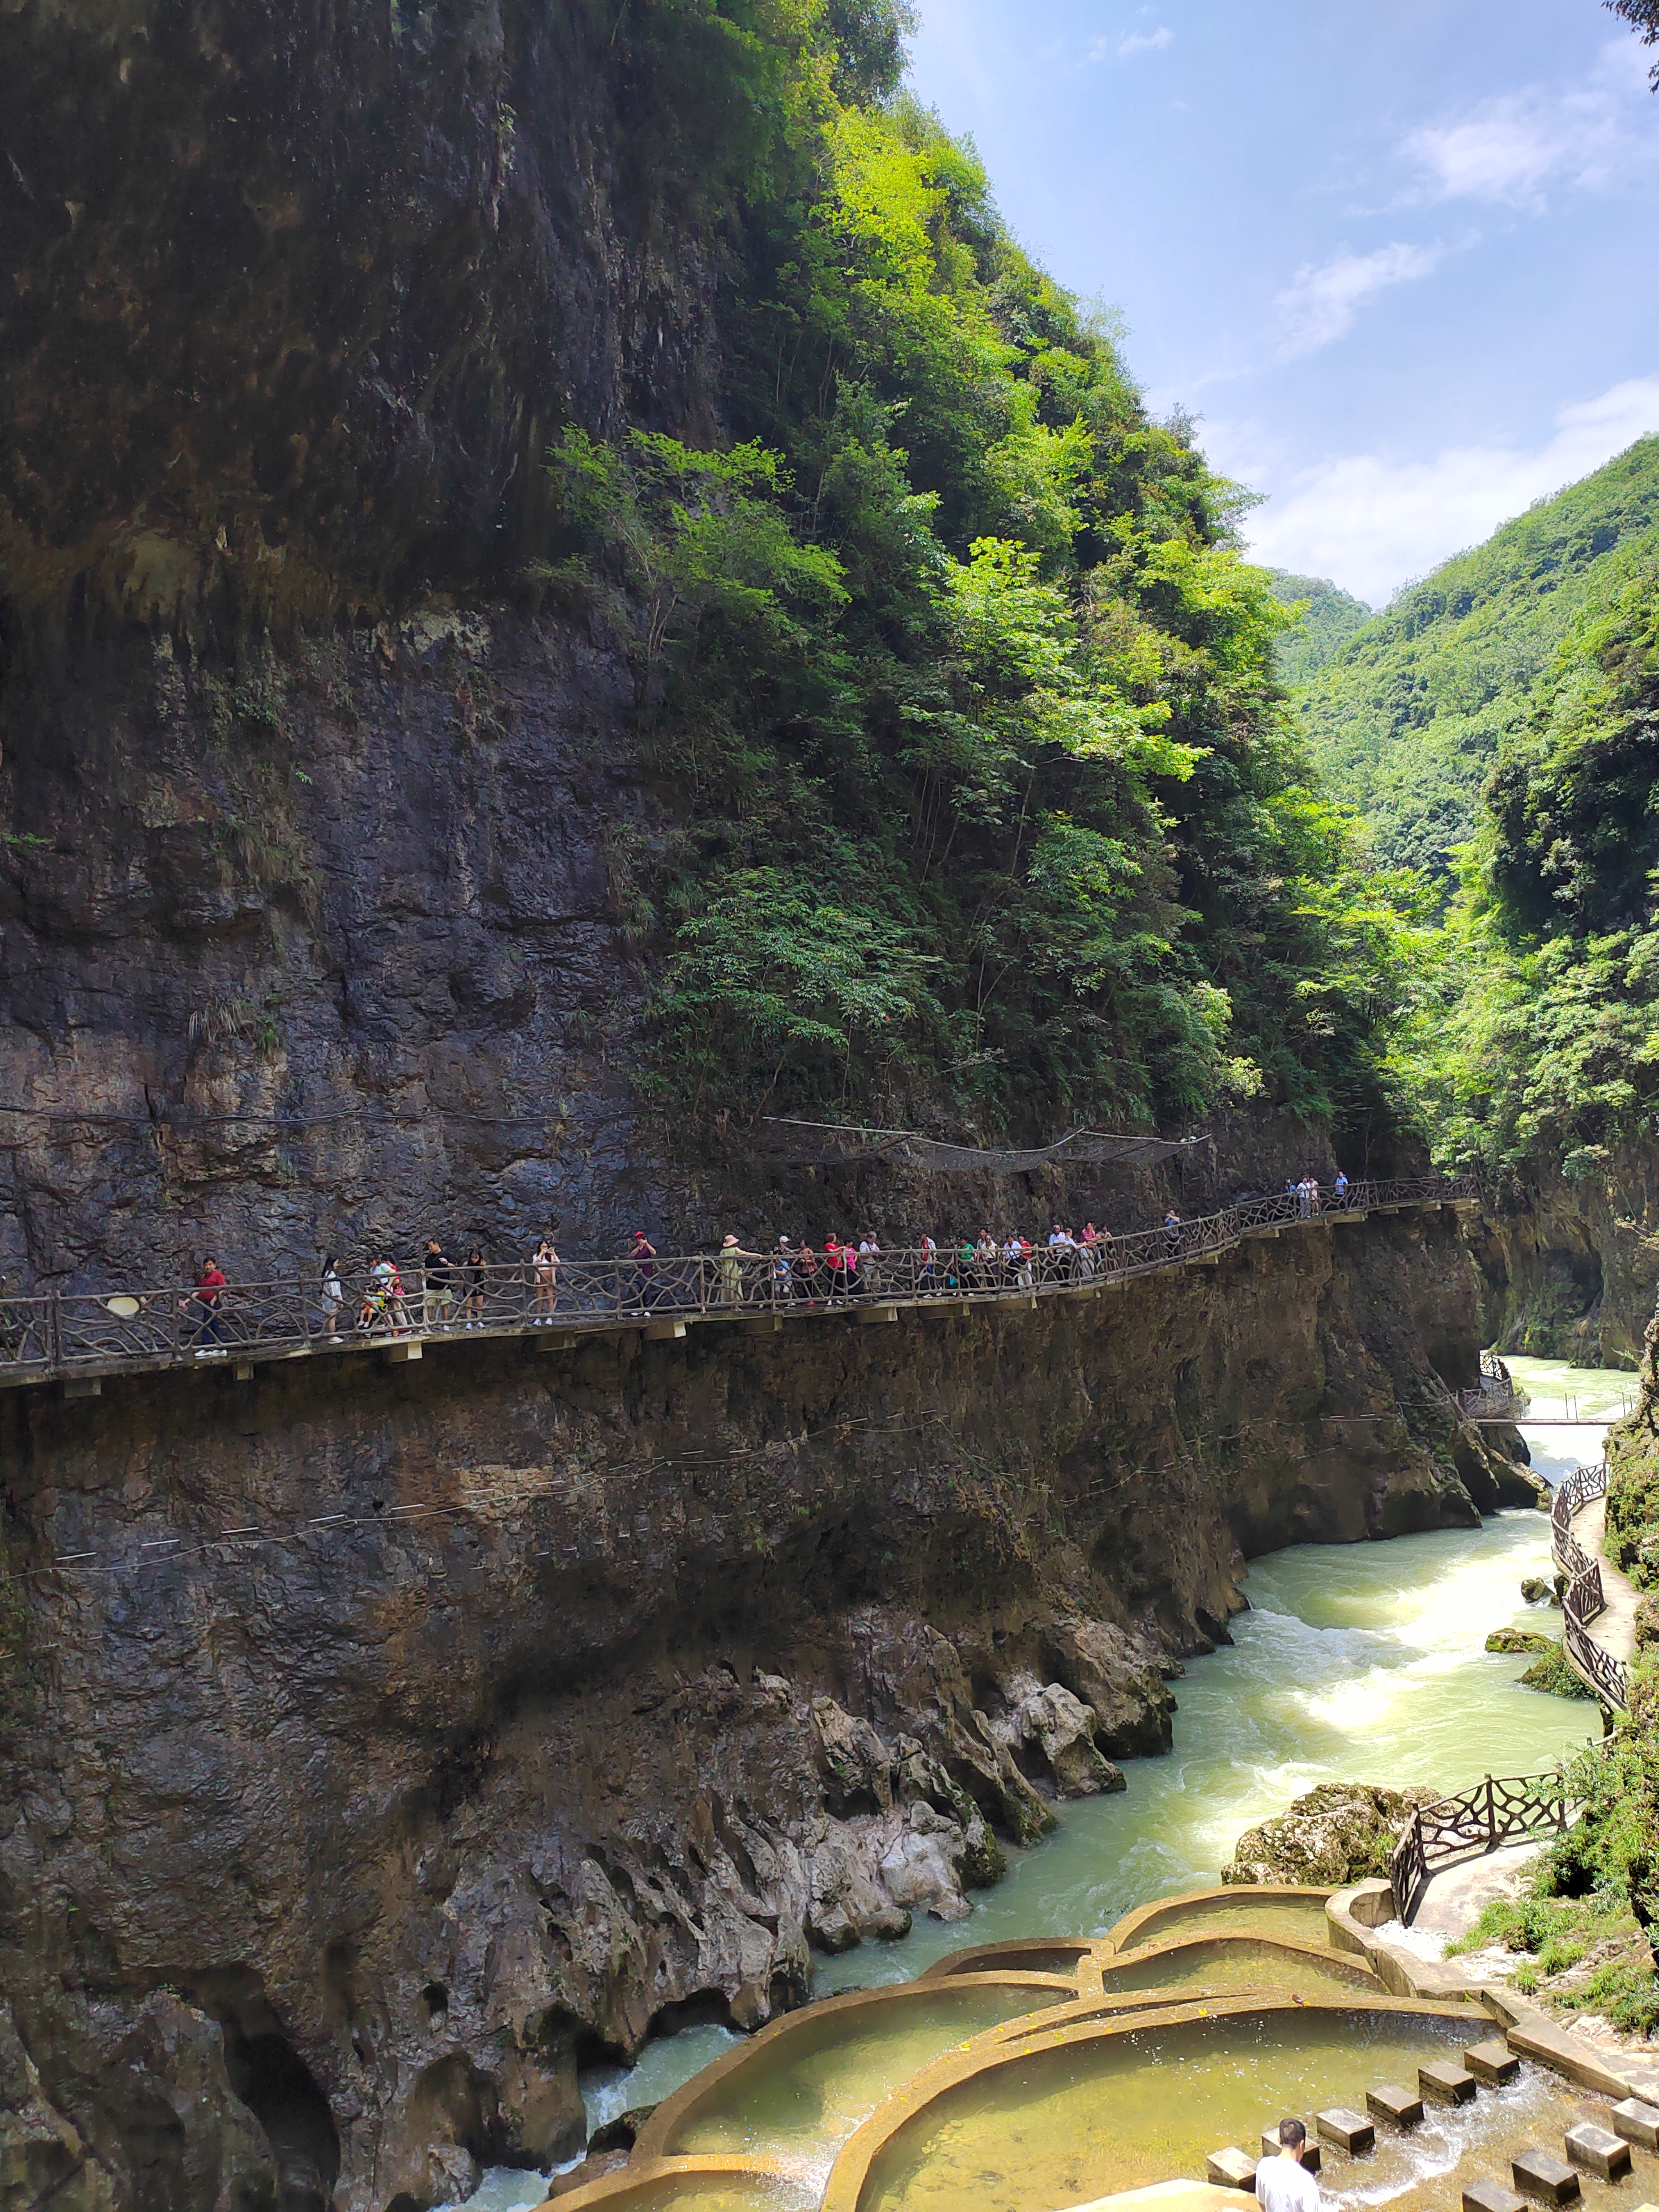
1587, 1912
1643, 15
994, 809
1545, 1042
1408, 718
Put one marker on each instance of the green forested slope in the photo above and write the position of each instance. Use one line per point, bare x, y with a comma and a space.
1409, 717
1542, 1041
1329, 617
996, 813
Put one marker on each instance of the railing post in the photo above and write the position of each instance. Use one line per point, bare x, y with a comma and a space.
1491, 1817
55, 1329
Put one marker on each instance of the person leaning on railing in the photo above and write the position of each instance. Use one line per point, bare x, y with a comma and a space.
731, 1257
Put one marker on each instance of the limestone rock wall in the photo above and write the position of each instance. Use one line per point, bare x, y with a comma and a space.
300, 294
563, 1692
1570, 1268
322, 958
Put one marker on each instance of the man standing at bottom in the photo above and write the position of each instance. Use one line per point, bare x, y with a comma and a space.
1284, 2183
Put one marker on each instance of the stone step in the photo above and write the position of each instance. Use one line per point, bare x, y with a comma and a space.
1637, 2123
1492, 2196
1491, 2062
1270, 2149
1548, 2180
1349, 2132
1388, 2101
1443, 2083
1230, 2169
1598, 2150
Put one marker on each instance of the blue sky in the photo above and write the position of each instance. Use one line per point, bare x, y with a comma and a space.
1403, 262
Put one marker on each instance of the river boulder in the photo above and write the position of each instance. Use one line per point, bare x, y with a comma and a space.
1340, 1832
1553, 1672
1520, 1639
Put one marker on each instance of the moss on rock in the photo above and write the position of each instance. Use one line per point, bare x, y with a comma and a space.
1341, 1831
1553, 1672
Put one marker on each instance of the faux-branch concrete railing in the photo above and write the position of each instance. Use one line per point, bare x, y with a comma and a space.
1469, 1825
65, 1334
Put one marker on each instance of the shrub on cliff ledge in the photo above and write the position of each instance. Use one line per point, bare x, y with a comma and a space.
1341, 1831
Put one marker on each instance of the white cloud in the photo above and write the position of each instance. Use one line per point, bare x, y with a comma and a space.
1508, 149
1321, 305
1131, 44
1373, 522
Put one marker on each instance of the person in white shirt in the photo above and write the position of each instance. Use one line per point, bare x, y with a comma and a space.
1284, 2183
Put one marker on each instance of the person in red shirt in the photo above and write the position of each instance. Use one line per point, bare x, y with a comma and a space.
204, 1300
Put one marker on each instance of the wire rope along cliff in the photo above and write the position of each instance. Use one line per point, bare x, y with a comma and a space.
828, 1144
1496, 1810
68, 1334
1585, 1599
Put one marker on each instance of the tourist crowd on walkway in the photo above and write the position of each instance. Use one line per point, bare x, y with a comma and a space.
1310, 1199
442, 1294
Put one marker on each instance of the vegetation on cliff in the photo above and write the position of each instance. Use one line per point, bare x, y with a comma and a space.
1495, 729
995, 808
1585, 1920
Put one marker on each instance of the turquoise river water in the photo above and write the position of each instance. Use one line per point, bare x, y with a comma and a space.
1361, 1663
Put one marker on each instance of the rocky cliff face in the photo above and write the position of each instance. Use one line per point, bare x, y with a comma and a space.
1570, 1268
537, 1699
298, 294
560, 1693
320, 958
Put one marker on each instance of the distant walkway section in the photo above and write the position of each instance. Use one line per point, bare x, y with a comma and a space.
78, 1337
1599, 1603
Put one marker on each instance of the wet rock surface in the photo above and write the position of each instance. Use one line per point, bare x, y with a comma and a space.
1342, 1831
626, 1677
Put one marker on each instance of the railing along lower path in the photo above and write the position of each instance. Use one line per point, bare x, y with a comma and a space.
1598, 1605
66, 1335
1510, 1809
